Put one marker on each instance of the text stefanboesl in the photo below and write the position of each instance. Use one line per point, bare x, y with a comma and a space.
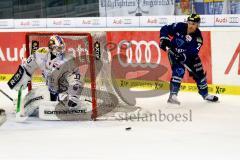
159, 116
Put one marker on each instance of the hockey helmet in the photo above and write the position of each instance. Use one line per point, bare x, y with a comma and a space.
56, 45
194, 18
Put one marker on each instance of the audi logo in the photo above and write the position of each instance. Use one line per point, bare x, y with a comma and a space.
163, 20
141, 55
233, 20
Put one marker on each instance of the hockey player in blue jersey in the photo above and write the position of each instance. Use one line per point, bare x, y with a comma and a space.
184, 47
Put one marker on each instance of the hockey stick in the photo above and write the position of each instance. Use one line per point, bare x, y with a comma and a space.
19, 116
182, 63
19, 100
4, 93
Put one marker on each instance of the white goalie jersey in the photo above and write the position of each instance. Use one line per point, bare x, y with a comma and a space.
60, 74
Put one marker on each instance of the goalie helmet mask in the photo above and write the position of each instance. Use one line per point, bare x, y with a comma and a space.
56, 45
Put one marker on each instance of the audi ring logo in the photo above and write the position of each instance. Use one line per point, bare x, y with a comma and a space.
233, 20
163, 20
142, 55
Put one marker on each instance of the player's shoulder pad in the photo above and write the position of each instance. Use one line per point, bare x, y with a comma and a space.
42, 50
181, 26
198, 35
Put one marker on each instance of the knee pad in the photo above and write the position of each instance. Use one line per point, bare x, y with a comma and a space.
177, 75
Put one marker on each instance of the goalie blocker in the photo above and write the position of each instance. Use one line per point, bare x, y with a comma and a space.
20, 78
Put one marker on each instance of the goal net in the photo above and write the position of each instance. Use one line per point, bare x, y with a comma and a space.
100, 90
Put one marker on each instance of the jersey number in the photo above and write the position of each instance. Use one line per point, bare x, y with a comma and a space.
199, 45
77, 76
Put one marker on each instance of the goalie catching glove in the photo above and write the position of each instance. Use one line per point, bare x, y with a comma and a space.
73, 101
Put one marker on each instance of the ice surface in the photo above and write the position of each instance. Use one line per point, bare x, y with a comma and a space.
213, 133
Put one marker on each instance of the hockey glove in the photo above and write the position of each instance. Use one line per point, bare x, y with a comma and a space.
181, 57
165, 43
73, 101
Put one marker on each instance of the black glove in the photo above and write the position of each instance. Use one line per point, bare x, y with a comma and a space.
165, 42
181, 57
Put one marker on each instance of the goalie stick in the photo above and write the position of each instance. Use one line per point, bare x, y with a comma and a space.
5, 94
3, 116
19, 115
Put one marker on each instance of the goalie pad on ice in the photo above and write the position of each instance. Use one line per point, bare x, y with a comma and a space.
38, 101
35, 98
62, 112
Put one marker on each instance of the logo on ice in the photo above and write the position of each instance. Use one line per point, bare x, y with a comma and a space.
142, 53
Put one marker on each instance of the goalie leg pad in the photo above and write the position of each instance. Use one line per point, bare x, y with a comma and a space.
34, 99
56, 111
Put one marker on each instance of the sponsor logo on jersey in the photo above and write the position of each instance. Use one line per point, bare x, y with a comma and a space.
179, 50
42, 51
188, 38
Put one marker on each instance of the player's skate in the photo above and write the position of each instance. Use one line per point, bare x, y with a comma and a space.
211, 98
173, 99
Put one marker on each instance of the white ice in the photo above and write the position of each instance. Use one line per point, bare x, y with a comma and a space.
213, 133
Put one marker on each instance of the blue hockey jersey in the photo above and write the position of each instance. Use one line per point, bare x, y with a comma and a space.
181, 42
